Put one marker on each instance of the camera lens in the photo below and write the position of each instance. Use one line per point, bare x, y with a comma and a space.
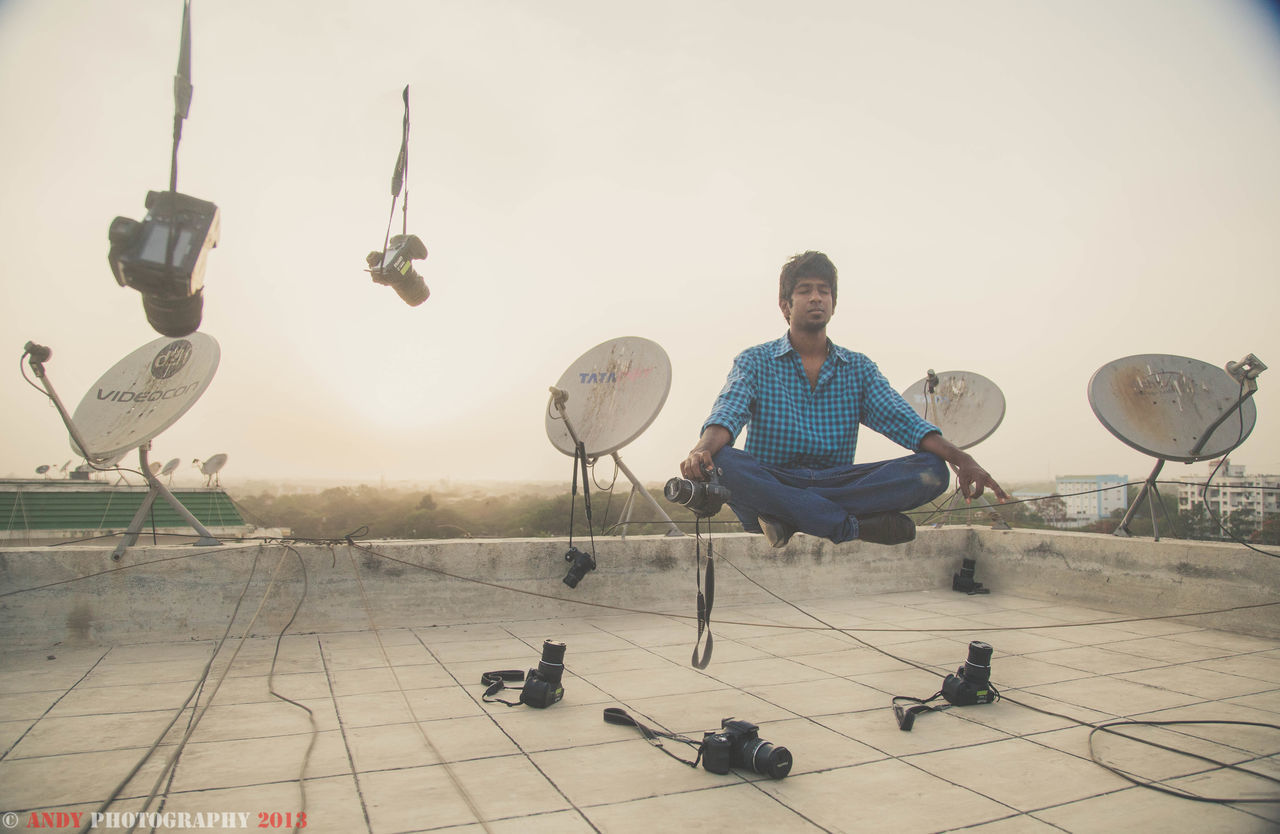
174, 317
768, 759
551, 667
678, 490
977, 668
411, 288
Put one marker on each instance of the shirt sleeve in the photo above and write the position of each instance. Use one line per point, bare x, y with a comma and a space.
736, 400
887, 412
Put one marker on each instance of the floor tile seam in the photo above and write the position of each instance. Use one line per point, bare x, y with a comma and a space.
459, 825
520, 748
346, 746
163, 746
5, 754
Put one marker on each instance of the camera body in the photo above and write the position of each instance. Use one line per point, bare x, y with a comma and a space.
580, 564
738, 744
703, 498
394, 268
971, 684
163, 257
542, 686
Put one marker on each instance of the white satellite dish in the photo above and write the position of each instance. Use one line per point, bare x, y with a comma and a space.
1174, 408
155, 467
141, 396
211, 467
607, 398
171, 466
1164, 406
968, 407
144, 394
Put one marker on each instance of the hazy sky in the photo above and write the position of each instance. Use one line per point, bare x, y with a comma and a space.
1026, 190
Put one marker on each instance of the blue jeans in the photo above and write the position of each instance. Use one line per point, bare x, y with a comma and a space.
826, 502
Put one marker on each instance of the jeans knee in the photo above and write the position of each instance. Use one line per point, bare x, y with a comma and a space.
935, 476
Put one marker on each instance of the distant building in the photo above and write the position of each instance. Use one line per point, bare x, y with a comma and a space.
1089, 498
1232, 490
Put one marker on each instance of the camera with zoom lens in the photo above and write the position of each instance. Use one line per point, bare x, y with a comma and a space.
703, 498
580, 564
971, 684
394, 268
163, 257
542, 686
738, 744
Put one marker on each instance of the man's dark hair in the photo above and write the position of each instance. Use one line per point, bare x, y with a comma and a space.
813, 265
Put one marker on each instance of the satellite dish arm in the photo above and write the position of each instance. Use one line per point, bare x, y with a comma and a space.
37, 355
558, 398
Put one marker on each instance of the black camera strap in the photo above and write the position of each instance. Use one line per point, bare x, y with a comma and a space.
907, 715
580, 461
704, 602
496, 682
617, 715
398, 177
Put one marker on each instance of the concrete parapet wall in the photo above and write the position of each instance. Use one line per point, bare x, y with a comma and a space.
77, 595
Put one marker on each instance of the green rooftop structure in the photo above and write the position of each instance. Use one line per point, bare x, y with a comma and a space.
46, 511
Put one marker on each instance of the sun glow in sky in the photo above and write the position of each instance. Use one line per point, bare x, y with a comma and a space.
1026, 190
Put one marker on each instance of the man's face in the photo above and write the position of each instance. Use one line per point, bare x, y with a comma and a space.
811, 305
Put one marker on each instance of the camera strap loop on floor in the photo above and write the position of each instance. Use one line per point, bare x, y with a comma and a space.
617, 715
496, 682
907, 715
704, 602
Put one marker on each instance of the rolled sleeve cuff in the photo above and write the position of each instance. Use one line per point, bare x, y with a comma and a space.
919, 433
734, 426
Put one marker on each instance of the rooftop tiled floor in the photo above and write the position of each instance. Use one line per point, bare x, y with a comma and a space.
73, 722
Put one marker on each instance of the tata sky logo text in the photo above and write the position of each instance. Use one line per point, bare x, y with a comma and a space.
607, 377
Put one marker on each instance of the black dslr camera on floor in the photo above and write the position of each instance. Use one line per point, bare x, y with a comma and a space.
738, 744
971, 684
542, 686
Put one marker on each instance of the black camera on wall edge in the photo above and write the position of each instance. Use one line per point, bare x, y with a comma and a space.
394, 268
163, 258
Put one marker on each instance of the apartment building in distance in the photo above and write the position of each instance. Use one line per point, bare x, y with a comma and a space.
1232, 489
1088, 498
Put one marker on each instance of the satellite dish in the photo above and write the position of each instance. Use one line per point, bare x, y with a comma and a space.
1171, 407
144, 394
616, 391
43, 469
211, 467
606, 399
155, 467
968, 407
170, 466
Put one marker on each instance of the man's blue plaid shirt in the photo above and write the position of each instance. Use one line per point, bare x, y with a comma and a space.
795, 426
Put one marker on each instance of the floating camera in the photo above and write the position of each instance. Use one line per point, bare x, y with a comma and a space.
738, 744
703, 498
580, 564
163, 257
971, 684
394, 268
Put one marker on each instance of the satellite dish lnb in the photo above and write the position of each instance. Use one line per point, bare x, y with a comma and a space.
1171, 407
615, 391
967, 407
144, 394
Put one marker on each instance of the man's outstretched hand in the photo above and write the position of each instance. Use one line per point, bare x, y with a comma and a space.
972, 479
